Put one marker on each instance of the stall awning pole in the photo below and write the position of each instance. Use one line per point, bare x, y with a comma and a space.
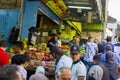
21, 18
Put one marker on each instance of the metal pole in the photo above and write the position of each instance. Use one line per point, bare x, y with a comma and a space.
21, 18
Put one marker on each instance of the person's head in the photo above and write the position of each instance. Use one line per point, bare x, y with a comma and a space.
65, 73
58, 53
18, 47
96, 41
109, 56
9, 72
20, 59
75, 52
108, 48
38, 77
96, 59
3, 44
89, 39
59, 35
109, 39
74, 37
32, 29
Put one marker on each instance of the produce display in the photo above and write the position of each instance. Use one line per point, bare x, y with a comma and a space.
40, 52
39, 55
82, 50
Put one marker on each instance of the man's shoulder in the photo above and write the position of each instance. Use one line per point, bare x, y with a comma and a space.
109, 44
89, 43
95, 68
65, 58
80, 64
103, 67
4, 53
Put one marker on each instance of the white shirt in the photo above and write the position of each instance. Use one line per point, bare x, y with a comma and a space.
91, 49
78, 69
64, 61
117, 48
59, 43
34, 37
22, 72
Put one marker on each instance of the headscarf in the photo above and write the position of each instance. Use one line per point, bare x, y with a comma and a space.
38, 77
110, 59
111, 64
40, 69
95, 73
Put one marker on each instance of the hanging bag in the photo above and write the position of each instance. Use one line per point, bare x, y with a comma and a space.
14, 35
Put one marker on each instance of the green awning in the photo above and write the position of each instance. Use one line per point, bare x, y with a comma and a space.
93, 27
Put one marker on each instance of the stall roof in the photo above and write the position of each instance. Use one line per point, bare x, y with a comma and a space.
87, 12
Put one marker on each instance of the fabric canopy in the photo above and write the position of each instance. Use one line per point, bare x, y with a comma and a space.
93, 27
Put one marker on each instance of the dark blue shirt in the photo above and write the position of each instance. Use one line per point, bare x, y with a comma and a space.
104, 46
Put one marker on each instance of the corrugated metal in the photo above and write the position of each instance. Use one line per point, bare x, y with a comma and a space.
45, 10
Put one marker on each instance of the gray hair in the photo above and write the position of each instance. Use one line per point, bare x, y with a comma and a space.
64, 70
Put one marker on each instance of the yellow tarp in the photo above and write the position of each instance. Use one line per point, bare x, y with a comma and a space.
76, 25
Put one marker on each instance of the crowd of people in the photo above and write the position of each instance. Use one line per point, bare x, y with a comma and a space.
101, 61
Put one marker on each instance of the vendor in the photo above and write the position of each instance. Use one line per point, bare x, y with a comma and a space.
32, 35
52, 43
59, 36
18, 47
73, 41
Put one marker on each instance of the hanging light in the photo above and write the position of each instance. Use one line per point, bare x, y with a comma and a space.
79, 7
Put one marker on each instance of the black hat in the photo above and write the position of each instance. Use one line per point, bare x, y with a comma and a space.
75, 49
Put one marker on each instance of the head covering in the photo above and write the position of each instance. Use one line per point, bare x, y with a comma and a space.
111, 64
108, 47
96, 72
38, 77
53, 31
110, 56
40, 69
75, 49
